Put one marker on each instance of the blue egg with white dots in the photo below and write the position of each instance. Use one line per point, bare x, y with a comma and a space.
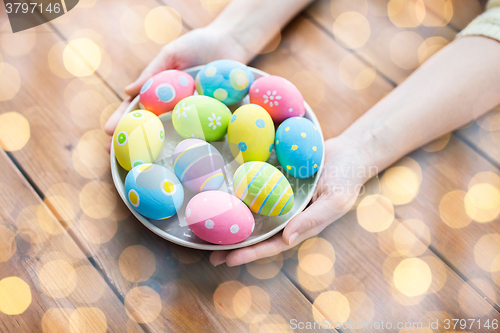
154, 191
226, 80
299, 147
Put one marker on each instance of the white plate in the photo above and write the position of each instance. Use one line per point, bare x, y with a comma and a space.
175, 228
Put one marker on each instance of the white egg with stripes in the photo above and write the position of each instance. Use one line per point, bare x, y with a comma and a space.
263, 188
198, 165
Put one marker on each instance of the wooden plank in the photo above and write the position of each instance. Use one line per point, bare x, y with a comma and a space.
46, 282
371, 38
68, 147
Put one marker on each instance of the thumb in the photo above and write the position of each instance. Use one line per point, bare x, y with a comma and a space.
162, 62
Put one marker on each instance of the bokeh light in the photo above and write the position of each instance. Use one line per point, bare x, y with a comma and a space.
403, 49
10, 81
90, 157
487, 252
408, 238
452, 210
84, 320
482, 202
90, 285
439, 13
361, 306
214, 6
137, 263
98, 199
375, 213
132, 23
15, 295
57, 278
339, 7
439, 275
315, 282
7, 243
427, 49
270, 324
260, 304
355, 73
331, 305
56, 320
224, 296
412, 277
143, 304
266, 268
163, 24
30, 222
406, 13
81, 57
316, 256
351, 29
400, 185
437, 144
14, 130
62, 200
18, 44
488, 177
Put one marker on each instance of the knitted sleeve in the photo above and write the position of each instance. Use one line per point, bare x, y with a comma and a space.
486, 24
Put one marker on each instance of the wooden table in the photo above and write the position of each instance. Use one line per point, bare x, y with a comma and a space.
73, 259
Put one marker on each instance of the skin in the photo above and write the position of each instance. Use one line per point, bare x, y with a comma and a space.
458, 84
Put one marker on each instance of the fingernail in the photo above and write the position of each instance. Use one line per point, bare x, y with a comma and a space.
292, 238
217, 264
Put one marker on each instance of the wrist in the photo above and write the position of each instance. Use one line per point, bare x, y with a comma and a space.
226, 40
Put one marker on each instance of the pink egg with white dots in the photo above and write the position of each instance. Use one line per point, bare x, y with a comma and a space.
219, 218
163, 91
278, 96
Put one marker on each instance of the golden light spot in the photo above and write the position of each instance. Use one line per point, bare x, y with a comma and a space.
29, 224
186, 255
331, 305
355, 73
90, 285
316, 256
7, 243
132, 24
337, 8
260, 304
270, 324
351, 29
143, 304
266, 268
485, 177
15, 296
411, 237
163, 24
471, 303
97, 231
303, 135
224, 296
452, 210
361, 306
14, 130
107, 112
214, 6
57, 278
16, 44
482, 202
487, 252
84, 115
81, 57
427, 49
437, 144
295, 147
55, 59
137, 263
98, 199
10, 81
400, 185
311, 86
412, 277
439, 274
314, 148
90, 155
56, 320
274, 32
315, 282
62, 200
84, 320
406, 13
490, 121
403, 49
375, 213
439, 14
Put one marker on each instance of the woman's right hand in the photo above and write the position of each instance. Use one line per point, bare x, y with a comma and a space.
197, 47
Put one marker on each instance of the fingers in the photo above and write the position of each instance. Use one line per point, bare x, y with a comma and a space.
268, 248
163, 61
218, 257
113, 121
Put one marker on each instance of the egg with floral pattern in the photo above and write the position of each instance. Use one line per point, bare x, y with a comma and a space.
201, 117
163, 91
154, 191
278, 96
219, 218
299, 147
138, 139
251, 134
198, 165
226, 80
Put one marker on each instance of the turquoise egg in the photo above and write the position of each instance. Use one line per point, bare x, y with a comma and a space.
299, 147
154, 191
225, 80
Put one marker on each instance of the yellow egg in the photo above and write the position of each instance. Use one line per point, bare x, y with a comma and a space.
138, 139
251, 134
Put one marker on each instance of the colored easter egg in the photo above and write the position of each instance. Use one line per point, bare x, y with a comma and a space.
278, 96
163, 91
299, 147
219, 218
138, 139
251, 134
154, 191
198, 165
263, 188
226, 80
201, 117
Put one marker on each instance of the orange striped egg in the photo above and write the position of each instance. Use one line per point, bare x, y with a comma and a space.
263, 188
198, 165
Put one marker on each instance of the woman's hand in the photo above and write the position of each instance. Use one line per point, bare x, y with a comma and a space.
196, 47
343, 176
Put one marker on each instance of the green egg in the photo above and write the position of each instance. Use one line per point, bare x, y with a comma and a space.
201, 117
